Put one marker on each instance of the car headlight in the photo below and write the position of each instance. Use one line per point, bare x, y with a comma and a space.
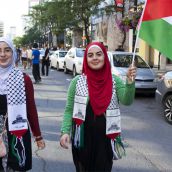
168, 82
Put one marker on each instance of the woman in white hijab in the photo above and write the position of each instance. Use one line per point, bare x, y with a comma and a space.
17, 112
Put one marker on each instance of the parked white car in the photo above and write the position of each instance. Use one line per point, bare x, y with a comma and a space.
73, 61
57, 59
145, 80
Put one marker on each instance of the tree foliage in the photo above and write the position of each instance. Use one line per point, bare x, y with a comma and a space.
17, 41
82, 11
57, 15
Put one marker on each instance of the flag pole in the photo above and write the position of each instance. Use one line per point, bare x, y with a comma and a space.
137, 36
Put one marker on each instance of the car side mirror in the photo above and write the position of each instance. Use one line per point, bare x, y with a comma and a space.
71, 56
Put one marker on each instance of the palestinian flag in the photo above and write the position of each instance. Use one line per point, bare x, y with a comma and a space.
156, 26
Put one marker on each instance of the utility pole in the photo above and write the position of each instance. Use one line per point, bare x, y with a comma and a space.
135, 5
134, 30
123, 12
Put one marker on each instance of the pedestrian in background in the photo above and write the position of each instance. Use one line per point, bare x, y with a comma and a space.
19, 53
29, 56
17, 112
18, 56
92, 113
24, 57
45, 61
35, 63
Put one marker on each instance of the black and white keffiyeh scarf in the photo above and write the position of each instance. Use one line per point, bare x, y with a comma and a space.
113, 118
16, 103
17, 116
112, 114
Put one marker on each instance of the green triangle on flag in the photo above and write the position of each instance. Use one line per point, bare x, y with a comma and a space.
156, 26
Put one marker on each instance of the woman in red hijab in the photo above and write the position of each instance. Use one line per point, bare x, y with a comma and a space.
92, 113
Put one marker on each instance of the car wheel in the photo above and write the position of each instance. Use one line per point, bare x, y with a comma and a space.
74, 71
168, 109
57, 66
65, 69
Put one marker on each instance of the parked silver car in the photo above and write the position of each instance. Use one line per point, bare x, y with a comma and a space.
145, 80
73, 60
164, 95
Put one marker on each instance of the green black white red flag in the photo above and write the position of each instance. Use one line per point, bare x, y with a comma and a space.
156, 25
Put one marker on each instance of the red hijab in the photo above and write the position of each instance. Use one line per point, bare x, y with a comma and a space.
99, 82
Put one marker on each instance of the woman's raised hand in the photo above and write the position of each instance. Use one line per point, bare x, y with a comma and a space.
131, 73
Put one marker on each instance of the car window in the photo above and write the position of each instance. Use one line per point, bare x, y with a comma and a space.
62, 54
70, 53
125, 60
168, 75
80, 52
140, 63
51, 52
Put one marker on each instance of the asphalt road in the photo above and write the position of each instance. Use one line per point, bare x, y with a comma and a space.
147, 136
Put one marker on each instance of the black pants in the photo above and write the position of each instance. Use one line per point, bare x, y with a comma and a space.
96, 155
45, 64
36, 72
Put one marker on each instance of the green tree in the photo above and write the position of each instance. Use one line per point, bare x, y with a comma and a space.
17, 41
32, 35
82, 11
60, 14
57, 15
52, 17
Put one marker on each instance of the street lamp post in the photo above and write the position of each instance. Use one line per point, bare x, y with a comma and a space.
134, 35
135, 5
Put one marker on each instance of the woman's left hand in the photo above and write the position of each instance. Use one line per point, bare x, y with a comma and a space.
131, 74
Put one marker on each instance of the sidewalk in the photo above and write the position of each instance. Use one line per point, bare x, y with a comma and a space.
160, 72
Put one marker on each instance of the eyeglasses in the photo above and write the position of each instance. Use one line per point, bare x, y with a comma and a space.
6, 50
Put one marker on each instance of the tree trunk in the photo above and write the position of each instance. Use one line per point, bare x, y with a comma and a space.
135, 5
86, 27
124, 38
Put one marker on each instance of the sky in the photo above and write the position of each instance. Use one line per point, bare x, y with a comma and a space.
11, 12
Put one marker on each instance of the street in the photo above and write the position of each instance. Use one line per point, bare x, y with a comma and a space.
146, 135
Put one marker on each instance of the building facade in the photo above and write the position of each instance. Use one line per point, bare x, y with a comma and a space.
1, 28
104, 28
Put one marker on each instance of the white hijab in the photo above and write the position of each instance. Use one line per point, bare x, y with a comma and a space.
4, 72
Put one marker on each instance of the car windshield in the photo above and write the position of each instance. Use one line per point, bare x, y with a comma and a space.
62, 54
51, 52
168, 75
125, 60
80, 52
